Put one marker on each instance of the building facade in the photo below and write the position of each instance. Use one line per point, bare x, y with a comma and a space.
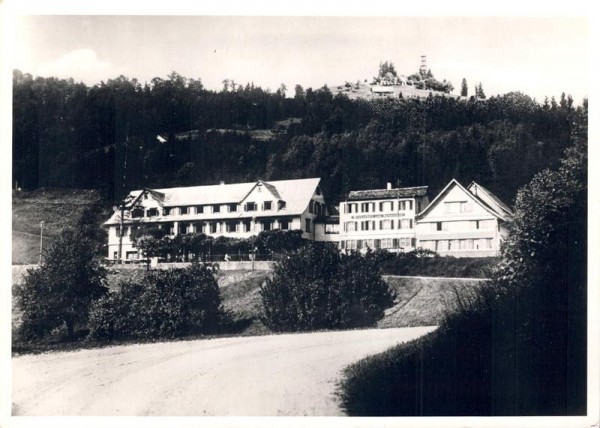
381, 218
237, 210
463, 222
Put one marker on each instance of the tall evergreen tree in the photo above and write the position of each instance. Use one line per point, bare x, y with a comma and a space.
464, 89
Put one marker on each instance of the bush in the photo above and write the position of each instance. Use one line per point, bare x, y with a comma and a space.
427, 263
318, 288
61, 290
167, 304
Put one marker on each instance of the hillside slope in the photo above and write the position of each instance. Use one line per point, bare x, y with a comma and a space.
57, 208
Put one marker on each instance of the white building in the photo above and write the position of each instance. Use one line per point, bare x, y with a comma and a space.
463, 222
236, 210
381, 218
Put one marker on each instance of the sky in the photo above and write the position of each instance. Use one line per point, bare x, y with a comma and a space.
540, 56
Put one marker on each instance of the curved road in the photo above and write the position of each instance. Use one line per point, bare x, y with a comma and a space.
288, 374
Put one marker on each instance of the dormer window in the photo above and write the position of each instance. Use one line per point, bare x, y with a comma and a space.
280, 205
267, 206
200, 209
216, 208
166, 211
250, 206
152, 212
137, 213
233, 208
183, 210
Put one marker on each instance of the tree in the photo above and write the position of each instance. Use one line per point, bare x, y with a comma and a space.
63, 288
165, 303
464, 89
318, 288
479, 92
544, 273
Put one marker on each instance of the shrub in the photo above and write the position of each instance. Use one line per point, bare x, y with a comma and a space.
62, 289
318, 288
427, 263
168, 303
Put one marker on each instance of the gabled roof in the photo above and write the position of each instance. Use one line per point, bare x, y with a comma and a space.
496, 213
135, 196
401, 192
295, 193
497, 204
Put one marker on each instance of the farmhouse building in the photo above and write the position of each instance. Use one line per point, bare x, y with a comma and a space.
463, 222
237, 210
381, 218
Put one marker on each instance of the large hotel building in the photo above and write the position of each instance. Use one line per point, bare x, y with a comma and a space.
459, 221
381, 218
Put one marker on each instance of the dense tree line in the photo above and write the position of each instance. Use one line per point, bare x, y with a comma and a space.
66, 134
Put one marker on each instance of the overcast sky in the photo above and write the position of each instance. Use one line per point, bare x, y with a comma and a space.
538, 56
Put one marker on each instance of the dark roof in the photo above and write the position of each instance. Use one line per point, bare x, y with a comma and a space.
402, 192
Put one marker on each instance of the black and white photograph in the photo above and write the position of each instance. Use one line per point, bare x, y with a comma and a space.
368, 215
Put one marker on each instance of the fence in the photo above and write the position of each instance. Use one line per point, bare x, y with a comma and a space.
212, 258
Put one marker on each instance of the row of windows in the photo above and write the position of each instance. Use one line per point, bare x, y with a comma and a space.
454, 226
384, 206
458, 244
219, 227
385, 243
459, 207
207, 209
355, 226
315, 207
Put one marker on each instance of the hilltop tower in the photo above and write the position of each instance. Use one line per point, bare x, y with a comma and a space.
423, 67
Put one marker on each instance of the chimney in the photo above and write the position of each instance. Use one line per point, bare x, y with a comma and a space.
389, 186
222, 183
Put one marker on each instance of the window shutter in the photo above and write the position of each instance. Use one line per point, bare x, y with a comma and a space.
380, 224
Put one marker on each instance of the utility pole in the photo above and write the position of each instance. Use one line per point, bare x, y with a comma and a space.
41, 240
120, 255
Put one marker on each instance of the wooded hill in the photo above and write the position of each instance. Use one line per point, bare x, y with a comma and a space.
69, 135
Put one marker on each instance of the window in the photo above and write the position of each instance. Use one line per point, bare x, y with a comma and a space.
364, 207
406, 224
232, 208
246, 226
216, 208
438, 226
377, 244
418, 207
183, 210
351, 244
267, 224
184, 228
350, 226
280, 205
267, 206
387, 243
213, 227
284, 224
250, 206
307, 224
137, 213
386, 225
311, 206
370, 243
459, 207
152, 212
386, 206
231, 226
405, 205
332, 228
166, 211
200, 209
145, 195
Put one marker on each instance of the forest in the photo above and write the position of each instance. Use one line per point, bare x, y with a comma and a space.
105, 137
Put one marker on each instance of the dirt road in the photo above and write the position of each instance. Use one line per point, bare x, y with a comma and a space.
291, 374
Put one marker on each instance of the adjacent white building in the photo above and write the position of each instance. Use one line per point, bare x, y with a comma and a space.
463, 222
237, 210
381, 218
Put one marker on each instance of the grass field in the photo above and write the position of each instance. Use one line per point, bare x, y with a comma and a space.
57, 208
